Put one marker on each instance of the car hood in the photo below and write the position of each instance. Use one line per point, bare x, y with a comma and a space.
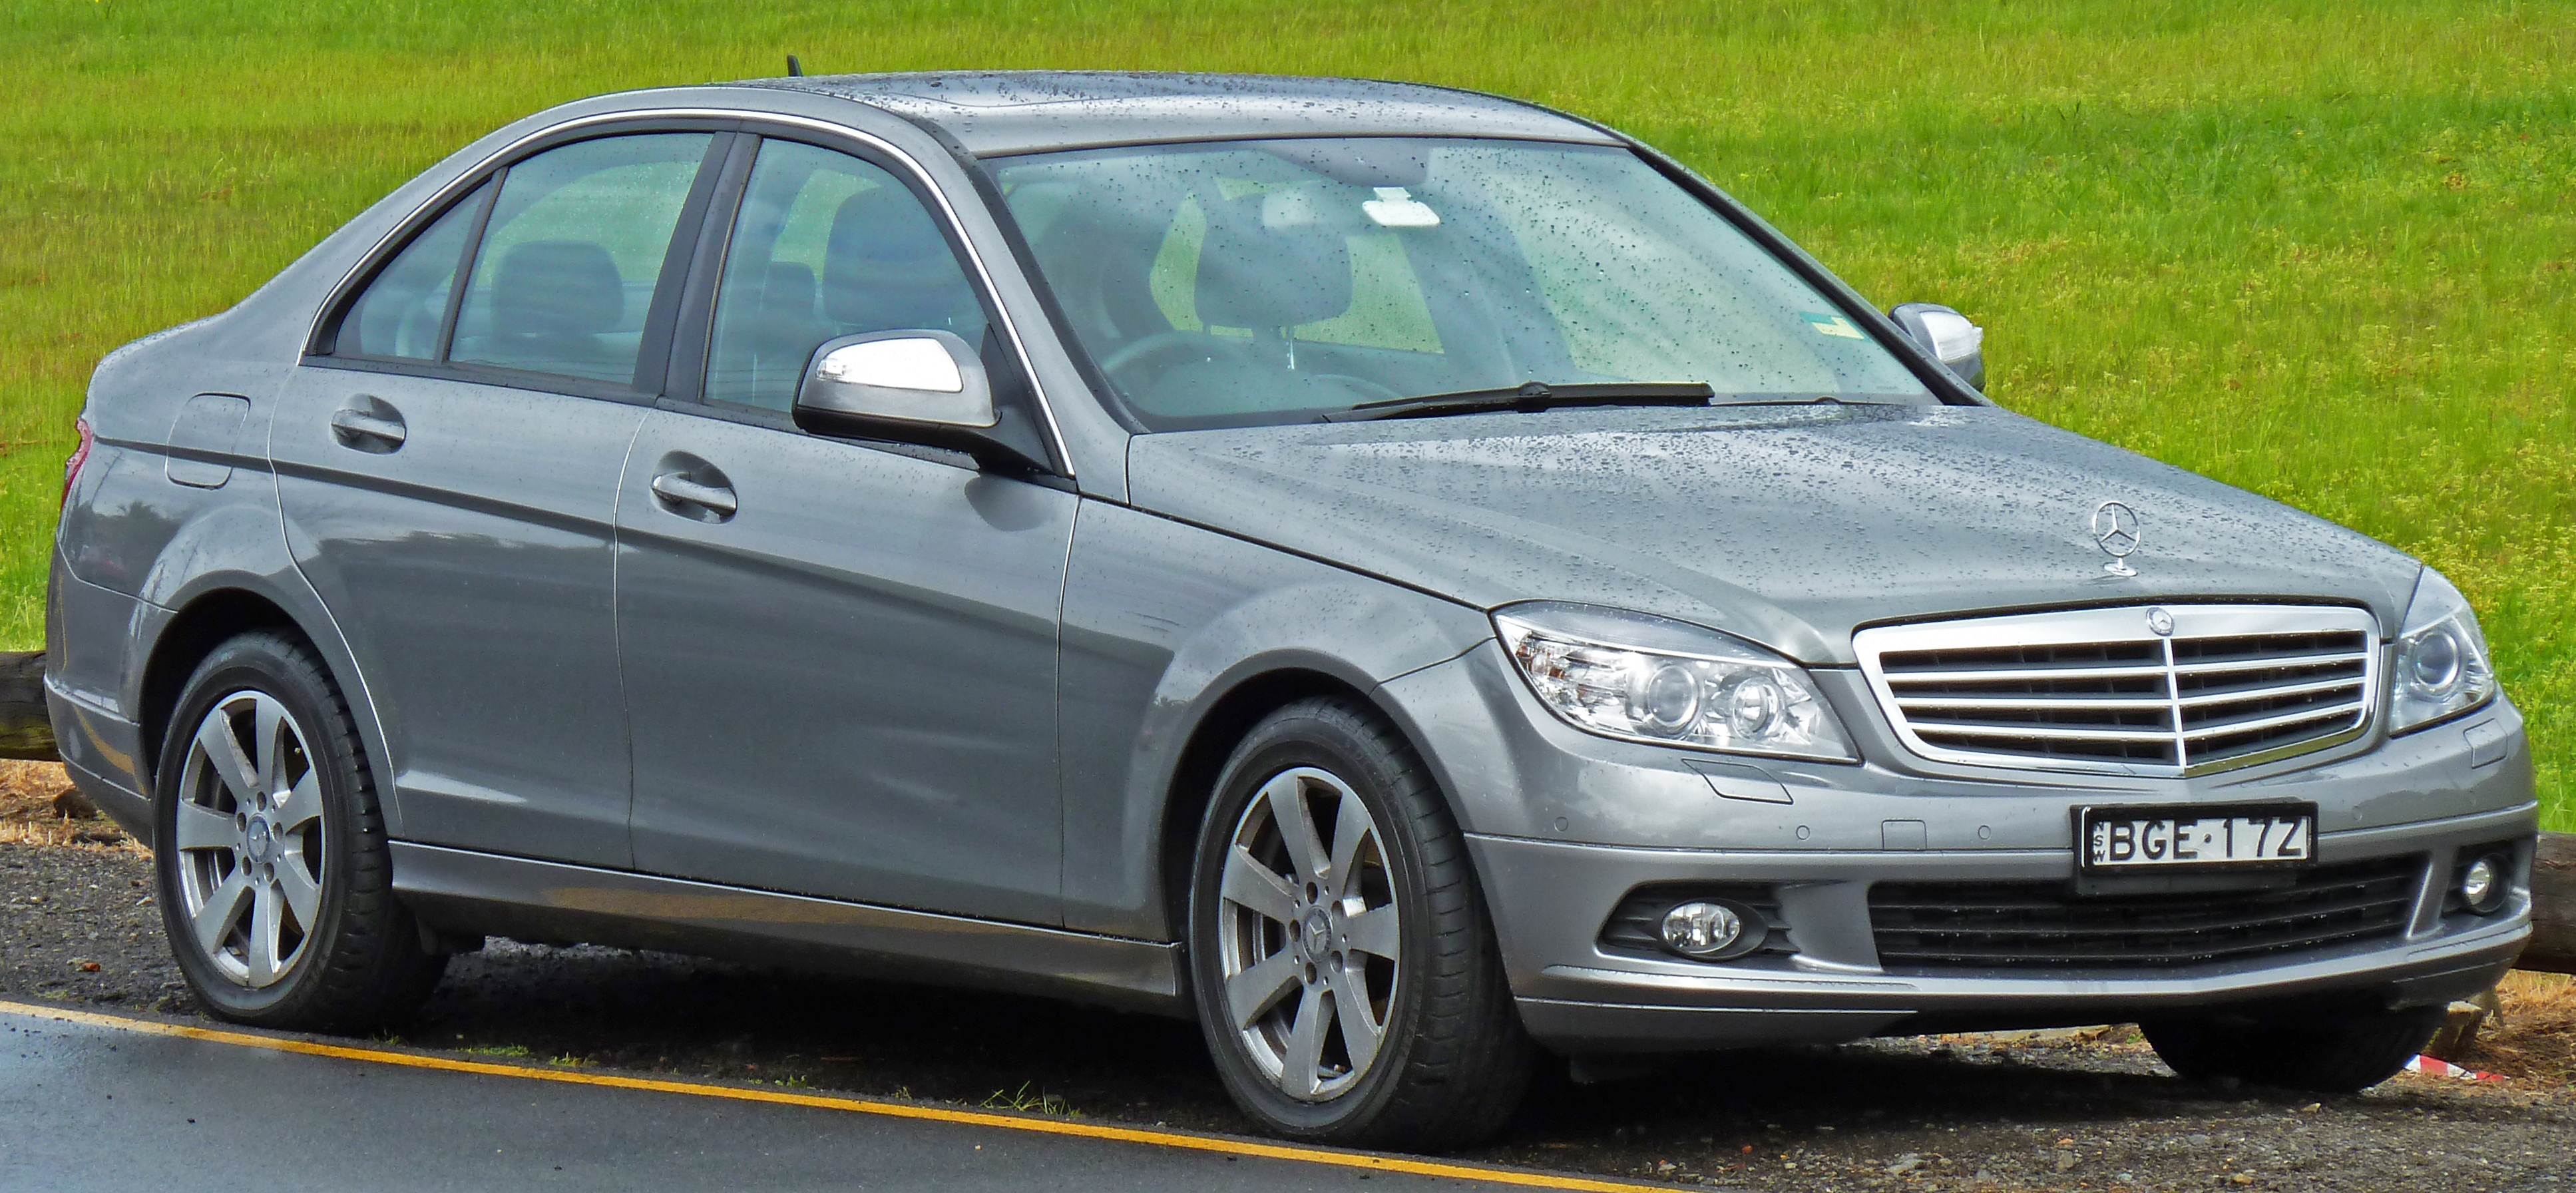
1787, 525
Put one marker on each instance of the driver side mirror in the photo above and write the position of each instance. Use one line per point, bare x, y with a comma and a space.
1949, 337
916, 386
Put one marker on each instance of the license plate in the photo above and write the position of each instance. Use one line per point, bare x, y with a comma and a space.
2197, 837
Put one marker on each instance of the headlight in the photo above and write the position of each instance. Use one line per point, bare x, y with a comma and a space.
1652, 679
2442, 668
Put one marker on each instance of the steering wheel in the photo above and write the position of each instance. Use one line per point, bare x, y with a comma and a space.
1154, 353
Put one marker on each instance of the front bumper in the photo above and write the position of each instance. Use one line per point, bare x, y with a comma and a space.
1564, 826
1577, 995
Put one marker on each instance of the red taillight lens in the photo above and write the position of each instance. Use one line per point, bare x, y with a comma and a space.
80, 456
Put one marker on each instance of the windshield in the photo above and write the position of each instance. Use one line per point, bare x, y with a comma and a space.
1243, 282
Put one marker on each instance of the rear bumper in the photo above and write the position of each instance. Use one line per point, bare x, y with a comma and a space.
92, 680
1550, 898
101, 751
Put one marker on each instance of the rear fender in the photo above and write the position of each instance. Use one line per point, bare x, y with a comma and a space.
217, 604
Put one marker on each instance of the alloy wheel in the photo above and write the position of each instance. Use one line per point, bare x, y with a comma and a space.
250, 832
1310, 950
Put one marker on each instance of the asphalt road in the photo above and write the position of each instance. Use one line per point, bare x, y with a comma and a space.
93, 1107
78, 929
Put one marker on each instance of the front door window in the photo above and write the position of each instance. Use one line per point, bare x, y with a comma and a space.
826, 245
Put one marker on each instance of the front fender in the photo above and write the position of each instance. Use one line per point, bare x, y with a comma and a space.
1163, 621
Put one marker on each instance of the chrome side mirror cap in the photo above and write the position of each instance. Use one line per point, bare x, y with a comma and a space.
914, 386
897, 376
1948, 335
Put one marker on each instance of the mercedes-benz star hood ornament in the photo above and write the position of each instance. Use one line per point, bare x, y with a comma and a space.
2115, 527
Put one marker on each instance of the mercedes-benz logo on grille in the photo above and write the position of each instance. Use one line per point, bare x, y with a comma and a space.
2160, 622
2115, 527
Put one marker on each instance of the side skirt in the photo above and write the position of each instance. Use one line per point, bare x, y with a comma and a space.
466, 892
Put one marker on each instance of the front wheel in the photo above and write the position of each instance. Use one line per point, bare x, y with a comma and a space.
275, 878
1345, 971
2327, 1054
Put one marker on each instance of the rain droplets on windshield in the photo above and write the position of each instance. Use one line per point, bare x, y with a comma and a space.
1234, 283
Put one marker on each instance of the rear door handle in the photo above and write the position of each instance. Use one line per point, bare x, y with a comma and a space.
681, 495
368, 424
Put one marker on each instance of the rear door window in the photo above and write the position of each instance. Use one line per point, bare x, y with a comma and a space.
571, 257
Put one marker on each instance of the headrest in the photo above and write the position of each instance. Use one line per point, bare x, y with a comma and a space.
1272, 260
887, 267
787, 291
557, 287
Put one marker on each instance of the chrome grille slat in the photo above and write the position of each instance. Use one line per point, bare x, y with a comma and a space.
2101, 702
2222, 728
2098, 690
2238, 695
1972, 729
2232, 696
2268, 664
1995, 674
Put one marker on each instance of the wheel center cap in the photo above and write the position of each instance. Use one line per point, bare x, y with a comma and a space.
259, 839
1319, 933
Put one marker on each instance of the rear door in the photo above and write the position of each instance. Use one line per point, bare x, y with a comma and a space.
448, 470
839, 656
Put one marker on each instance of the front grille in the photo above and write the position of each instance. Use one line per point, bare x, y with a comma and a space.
1997, 925
2100, 690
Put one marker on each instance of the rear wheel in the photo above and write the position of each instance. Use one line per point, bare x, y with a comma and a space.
275, 879
2327, 1054
1344, 968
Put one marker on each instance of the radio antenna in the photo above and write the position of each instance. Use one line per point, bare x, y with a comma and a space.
795, 69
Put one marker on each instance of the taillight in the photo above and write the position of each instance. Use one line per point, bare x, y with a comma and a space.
80, 456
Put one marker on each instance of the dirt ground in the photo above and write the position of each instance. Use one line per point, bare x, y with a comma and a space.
2064, 1110
34, 797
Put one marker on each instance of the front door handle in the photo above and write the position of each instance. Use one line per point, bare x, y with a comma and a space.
689, 499
368, 424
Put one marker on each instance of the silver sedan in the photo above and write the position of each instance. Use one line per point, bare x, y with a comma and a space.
1419, 583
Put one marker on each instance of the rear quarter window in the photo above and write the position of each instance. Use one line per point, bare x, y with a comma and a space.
403, 313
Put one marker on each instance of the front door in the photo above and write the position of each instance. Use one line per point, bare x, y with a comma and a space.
449, 479
839, 657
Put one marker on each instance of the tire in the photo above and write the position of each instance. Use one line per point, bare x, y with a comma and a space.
1276, 944
290, 880
2326, 1054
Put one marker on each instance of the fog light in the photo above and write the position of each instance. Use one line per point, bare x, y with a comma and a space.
1703, 930
2481, 887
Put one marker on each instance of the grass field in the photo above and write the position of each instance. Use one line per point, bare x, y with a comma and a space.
2324, 251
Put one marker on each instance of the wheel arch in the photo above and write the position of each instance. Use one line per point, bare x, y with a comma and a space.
207, 618
1237, 706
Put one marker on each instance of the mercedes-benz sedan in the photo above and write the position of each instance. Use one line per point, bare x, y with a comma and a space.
1417, 582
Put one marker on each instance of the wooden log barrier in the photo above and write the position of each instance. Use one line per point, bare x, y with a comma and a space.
2553, 906
24, 730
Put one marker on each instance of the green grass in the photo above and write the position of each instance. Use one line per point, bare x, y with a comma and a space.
2324, 251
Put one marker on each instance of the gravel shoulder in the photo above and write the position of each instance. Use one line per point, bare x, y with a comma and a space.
2036, 1111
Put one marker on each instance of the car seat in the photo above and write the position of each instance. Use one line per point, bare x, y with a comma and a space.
887, 268
554, 304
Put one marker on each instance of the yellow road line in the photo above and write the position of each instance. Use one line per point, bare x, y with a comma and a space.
974, 1118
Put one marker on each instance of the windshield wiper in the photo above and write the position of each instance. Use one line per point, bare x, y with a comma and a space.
1530, 398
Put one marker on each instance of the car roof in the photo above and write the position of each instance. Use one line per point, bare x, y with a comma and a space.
995, 113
